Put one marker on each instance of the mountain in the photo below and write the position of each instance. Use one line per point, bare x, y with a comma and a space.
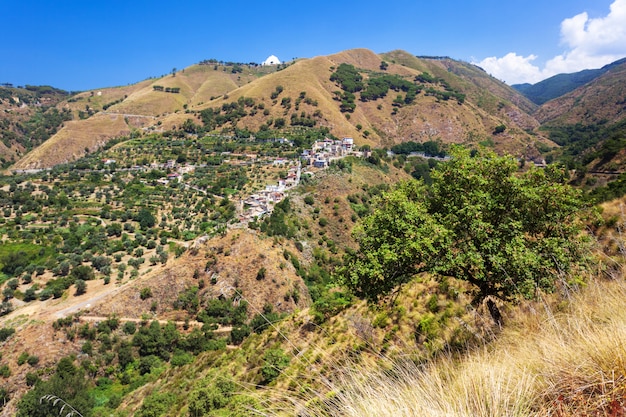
602, 99
589, 126
561, 84
455, 102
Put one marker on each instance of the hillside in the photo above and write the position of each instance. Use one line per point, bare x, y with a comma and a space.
308, 97
602, 99
170, 335
588, 126
196, 247
561, 84
28, 117
101, 115
190, 272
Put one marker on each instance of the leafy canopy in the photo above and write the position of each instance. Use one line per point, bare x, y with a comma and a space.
506, 233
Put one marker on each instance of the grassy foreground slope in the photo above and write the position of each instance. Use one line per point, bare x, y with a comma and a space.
562, 355
427, 352
554, 360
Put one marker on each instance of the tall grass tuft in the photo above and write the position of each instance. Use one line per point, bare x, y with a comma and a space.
564, 360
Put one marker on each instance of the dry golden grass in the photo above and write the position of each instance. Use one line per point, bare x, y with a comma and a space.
71, 141
570, 362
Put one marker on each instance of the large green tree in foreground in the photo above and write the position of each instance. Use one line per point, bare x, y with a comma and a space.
509, 234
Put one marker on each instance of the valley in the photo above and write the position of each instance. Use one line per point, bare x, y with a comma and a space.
201, 243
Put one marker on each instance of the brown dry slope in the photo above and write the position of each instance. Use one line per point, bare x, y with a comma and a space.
489, 103
233, 261
602, 100
74, 138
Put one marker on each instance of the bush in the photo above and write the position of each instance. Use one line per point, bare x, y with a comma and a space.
129, 327
261, 273
275, 361
81, 287
147, 363
21, 360
31, 379
156, 405
145, 293
84, 272
260, 322
181, 358
238, 334
5, 333
87, 348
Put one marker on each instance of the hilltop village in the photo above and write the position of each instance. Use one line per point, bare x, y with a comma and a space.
321, 154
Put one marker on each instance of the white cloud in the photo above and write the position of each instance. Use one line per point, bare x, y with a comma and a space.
513, 68
590, 43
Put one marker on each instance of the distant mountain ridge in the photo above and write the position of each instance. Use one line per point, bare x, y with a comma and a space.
452, 102
561, 84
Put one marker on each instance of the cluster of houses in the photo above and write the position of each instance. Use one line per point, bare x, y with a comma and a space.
321, 154
262, 202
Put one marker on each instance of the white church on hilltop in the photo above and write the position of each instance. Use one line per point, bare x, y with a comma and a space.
271, 60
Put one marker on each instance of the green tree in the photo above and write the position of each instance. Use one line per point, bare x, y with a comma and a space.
499, 129
146, 219
5, 333
274, 361
507, 234
81, 287
156, 404
125, 354
67, 383
83, 272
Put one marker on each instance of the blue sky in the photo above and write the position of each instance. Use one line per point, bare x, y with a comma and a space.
80, 45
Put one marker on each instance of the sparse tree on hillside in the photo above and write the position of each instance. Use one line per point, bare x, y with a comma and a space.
81, 286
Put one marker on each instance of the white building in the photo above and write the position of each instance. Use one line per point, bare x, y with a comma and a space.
271, 60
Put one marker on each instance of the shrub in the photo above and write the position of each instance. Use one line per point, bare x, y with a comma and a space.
81, 287
145, 293
238, 334
275, 361
129, 327
5, 333
261, 273
21, 360
84, 272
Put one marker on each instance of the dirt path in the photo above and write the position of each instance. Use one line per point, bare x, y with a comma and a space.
88, 303
53, 309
